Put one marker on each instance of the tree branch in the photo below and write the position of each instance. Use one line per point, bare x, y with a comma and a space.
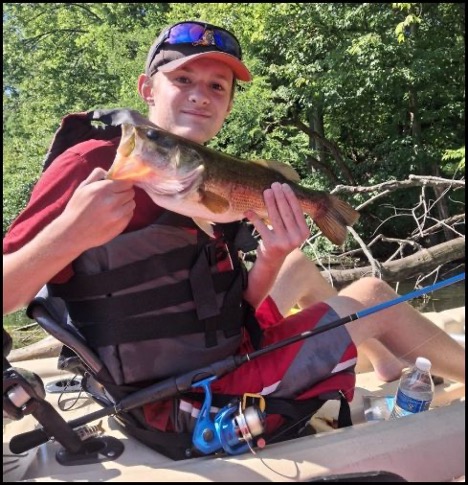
417, 264
398, 264
412, 181
37, 38
332, 148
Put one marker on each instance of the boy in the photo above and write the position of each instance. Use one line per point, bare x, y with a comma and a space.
77, 223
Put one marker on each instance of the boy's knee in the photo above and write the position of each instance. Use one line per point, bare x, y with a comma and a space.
370, 287
376, 284
380, 286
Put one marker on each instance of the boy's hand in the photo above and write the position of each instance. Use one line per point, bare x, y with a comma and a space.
288, 226
99, 210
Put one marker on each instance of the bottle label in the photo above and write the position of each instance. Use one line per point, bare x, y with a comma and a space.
410, 404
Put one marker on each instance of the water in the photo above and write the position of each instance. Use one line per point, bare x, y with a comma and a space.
411, 400
452, 296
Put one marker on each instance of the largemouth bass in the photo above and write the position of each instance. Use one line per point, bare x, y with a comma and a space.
211, 187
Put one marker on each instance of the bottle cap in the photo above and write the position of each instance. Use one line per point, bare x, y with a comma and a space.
423, 364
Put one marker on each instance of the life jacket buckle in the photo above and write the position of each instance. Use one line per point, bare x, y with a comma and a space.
260, 404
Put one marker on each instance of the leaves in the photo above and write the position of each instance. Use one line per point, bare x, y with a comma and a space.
335, 93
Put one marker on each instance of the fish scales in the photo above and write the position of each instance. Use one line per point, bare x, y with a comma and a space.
209, 186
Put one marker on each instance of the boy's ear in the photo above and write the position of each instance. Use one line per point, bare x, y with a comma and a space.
145, 88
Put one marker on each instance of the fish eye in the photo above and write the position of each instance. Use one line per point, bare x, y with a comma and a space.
152, 134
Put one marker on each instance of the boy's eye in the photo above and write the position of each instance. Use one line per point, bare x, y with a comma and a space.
218, 87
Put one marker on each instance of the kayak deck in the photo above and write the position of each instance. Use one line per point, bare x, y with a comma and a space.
425, 447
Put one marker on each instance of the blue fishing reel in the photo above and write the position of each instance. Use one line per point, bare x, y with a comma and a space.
233, 428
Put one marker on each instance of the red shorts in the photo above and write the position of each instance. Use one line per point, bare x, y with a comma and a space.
297, 371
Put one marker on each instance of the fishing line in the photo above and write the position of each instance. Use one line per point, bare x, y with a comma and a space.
274, 437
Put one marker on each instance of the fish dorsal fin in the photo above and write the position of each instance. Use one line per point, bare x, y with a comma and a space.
214, 202
284, 169
204, 225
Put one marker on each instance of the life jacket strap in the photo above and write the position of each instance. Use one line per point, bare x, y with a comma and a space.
167, 325
82, 286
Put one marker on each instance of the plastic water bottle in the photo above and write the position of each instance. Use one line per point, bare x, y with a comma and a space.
415, 390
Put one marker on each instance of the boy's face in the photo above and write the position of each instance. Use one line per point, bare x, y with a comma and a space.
192, 101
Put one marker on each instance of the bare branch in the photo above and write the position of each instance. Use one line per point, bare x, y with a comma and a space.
375, 265
412, 181
37, 38
449, 223
410, 257
82, 6
332, 148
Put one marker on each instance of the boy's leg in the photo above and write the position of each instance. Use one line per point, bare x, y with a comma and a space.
299, 282
390, 338
374, 355
404, 331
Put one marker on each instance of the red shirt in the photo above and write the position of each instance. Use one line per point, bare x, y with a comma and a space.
55, 188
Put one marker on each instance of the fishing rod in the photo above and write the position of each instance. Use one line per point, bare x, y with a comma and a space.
174, 386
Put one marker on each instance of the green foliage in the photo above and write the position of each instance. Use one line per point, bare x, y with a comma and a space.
458, 156
336, 93
62, 58
19, 176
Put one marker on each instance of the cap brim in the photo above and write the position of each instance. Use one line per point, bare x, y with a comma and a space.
238, 68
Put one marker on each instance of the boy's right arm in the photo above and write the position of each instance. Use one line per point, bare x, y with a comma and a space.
98, 211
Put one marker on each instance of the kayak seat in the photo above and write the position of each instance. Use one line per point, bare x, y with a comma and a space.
76, 356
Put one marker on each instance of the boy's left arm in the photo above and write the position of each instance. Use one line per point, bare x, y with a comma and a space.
286, 231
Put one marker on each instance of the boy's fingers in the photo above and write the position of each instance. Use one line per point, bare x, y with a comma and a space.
97, 174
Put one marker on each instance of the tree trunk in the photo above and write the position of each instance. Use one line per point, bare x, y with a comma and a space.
417, 264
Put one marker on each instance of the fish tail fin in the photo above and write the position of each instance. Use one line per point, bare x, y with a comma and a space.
333, 218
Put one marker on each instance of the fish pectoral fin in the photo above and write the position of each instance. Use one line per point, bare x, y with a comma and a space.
205, 226
284, 169
214, 202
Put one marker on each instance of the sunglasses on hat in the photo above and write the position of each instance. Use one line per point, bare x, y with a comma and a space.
199, 34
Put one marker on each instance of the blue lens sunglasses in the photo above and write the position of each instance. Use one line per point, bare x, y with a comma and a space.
197, 33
